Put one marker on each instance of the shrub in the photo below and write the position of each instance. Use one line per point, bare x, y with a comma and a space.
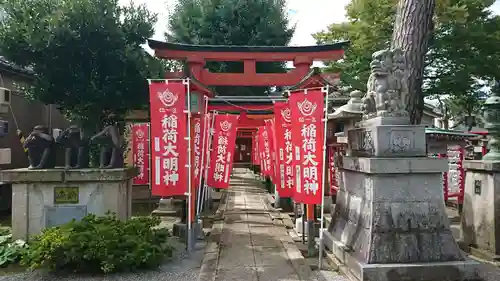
100, 244
10, 251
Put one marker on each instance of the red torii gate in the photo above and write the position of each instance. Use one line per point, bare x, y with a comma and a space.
301, 76
197, 55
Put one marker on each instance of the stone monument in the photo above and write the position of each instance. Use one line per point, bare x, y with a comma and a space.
44, 195
481, 211
390, 221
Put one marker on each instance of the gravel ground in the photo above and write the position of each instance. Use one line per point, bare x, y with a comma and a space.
183, 267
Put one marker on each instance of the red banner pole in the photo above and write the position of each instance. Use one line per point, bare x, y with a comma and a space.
324, 90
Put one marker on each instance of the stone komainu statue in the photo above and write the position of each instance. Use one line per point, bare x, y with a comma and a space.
387, 91
41, 148
76, 148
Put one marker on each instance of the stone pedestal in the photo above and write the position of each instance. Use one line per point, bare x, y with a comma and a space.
166, 208
299, 230
390, 221
480, 223
46, 198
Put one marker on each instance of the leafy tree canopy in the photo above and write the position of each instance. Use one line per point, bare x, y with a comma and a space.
86, 53
463, 50
232, 22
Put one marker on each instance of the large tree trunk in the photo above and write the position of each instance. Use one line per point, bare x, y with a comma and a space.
411, 34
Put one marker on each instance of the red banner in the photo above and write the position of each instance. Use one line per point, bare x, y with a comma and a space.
266, 150
140, 152
274, 174
260, 145
168, 134
307, 112
255, 149
207, 141
224, 141
284, 147
198, 128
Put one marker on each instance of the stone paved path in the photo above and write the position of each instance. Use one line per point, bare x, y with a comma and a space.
251, 246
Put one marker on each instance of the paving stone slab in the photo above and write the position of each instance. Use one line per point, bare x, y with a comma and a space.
242, 273
273, 273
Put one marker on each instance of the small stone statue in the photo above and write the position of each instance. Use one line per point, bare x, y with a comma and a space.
76, 154
40, 145
111, 155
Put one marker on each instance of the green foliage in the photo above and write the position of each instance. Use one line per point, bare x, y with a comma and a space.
10, 251
232, 22
100, 244
463, 51
86, 53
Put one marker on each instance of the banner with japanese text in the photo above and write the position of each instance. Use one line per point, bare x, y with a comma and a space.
255, 149
168, 134
266, 150
332, 179
307, 112
207, 141
140, 152
284, 148
260, 145
272, 148
224, 142
198, 147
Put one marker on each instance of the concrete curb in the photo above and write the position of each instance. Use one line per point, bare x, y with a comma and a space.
208, 270
298, 261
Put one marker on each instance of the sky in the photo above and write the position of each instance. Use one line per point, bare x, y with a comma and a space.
310, 16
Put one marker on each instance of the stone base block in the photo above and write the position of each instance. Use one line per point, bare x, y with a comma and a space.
381, 140
433, 271
51, 197
298, 227
180, 230
480, 223
392, 211
166, 208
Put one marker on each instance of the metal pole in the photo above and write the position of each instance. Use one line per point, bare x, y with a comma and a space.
150, 171
325, 90
304, 212
202, 188
189, 187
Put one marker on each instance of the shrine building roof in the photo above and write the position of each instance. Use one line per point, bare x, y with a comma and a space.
448, 134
